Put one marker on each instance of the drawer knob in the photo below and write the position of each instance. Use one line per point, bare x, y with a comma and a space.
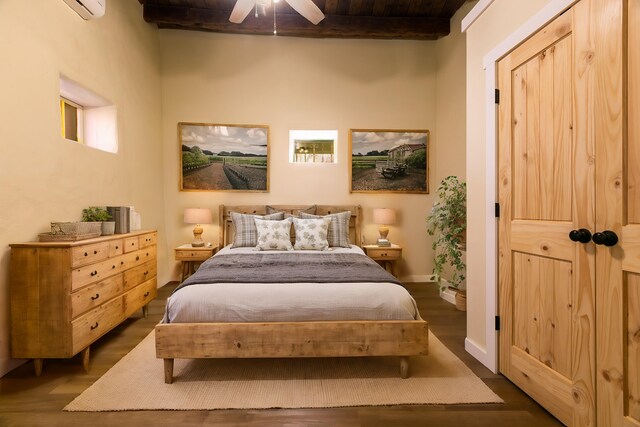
86, 254
146, 272
95, 297
137, 258
132, 243
147, 253
117, 247
146, 294
95, 252
113, 266
94, 326
93, 273
121, 262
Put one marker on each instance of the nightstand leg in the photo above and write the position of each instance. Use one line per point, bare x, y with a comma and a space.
184, 266
145, 310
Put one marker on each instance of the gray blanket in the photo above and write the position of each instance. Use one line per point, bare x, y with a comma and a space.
289, 267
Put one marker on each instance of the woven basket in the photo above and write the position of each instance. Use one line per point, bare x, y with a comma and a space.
461, 301
75, 228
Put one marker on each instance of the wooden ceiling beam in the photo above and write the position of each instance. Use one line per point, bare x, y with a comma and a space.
333, 26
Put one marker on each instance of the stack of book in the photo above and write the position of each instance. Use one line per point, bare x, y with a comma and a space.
122, 216
384, 242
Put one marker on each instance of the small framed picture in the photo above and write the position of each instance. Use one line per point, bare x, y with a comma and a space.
389, 161
219, 157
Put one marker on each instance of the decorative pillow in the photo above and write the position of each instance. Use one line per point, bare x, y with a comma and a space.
310, 210
338, 228
274, 235
245, 234
311, 233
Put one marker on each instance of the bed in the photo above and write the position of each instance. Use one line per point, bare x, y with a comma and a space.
215, 314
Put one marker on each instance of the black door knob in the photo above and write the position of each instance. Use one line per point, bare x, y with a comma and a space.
607, 238
583, 235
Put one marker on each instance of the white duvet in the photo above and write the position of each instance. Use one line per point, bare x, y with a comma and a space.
282, 302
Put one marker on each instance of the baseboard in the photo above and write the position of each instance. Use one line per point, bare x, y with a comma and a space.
480, 354
419, 278
449, 295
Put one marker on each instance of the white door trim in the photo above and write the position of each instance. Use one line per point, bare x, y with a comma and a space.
489, 356
474, 14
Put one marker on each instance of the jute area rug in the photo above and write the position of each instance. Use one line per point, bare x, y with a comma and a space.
136, 382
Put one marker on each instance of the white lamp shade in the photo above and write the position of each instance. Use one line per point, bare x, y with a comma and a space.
197, 216
384, 216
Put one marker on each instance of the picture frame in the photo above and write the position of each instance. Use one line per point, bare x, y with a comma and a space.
389, 161
223, 157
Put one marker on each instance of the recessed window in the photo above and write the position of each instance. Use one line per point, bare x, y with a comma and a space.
313, 146
87, 118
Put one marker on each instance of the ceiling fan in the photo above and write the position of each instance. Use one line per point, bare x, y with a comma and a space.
306, 8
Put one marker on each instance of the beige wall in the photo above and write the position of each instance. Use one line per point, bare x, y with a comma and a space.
295, 83
43, 177
501, 19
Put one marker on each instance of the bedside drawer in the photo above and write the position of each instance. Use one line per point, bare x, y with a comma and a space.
193, 255
139, 274
139, 296
384, 253
93, 295
85, 255
92, 325
147, 240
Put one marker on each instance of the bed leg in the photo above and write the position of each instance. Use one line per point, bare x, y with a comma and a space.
168, 371
404, 367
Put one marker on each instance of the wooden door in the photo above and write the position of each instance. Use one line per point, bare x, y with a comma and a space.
560, 98
618, 266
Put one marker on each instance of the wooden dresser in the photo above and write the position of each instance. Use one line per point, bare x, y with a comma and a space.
66, 295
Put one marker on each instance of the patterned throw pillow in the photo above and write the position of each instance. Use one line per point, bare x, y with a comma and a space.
311, 234
274, 235
245, 233
338, 228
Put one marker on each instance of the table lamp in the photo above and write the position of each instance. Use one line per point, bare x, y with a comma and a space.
384, 217
197, 216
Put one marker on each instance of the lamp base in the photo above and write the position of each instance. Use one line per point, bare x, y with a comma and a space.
197, 237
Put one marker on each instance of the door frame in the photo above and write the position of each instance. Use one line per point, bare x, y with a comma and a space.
489, 355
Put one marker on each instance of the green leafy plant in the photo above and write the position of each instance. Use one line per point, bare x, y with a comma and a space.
95, 214
447, 222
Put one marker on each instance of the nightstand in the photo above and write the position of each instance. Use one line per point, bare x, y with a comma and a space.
387, 256
192, 257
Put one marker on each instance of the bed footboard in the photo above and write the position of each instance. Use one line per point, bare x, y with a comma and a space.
291, 339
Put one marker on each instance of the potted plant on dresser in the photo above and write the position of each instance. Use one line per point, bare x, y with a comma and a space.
447, 222
99, 214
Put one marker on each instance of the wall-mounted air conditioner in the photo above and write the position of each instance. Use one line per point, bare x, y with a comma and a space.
88, 9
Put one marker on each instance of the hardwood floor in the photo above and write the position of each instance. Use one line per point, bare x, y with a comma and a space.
29, 401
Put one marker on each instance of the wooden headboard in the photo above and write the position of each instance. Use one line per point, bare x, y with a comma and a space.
226, 225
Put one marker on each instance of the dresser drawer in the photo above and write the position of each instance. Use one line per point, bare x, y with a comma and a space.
92, 325
116, 247
147, 240
384, 253
139, 257
93, 295
140, 274
85, 255
131, 244
139, 296
97, 272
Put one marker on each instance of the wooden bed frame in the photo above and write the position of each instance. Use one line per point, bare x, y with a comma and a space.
291, 339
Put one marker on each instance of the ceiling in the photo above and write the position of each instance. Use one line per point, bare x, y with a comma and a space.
374, 19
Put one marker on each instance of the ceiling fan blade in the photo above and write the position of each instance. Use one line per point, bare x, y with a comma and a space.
241, 10
308, 9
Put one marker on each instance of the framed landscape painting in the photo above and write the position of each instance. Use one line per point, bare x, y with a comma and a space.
217, 157
395, 161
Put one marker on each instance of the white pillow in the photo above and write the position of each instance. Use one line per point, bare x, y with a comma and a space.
311, 234
274, 235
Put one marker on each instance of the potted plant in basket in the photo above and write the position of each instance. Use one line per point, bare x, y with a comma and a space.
447, 222
99, 214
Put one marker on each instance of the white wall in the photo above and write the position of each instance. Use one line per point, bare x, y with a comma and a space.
44, 178
295, 83
497, 22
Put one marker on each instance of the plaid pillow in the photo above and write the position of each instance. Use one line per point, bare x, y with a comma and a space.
244, 226
338, 228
